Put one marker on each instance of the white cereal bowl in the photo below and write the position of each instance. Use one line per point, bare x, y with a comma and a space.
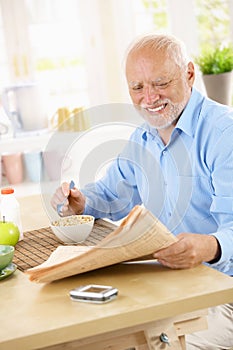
73, 229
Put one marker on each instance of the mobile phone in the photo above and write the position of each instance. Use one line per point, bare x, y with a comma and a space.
94, 293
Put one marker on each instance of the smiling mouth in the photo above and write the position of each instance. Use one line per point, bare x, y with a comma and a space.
156, 109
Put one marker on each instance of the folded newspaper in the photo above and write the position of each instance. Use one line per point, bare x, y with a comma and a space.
139, 235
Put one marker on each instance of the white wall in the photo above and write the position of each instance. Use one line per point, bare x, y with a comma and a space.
108, 31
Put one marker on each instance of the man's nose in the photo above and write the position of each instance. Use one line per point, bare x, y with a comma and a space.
151, 94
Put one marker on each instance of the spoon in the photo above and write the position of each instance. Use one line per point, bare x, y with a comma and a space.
59, 206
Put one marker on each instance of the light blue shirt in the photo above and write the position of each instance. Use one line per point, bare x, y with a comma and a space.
187, 184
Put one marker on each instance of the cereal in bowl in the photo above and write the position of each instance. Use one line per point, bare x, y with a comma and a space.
73, 220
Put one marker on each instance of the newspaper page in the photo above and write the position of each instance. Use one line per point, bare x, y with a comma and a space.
139, 235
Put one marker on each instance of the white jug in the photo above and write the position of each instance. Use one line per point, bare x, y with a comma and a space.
26, 106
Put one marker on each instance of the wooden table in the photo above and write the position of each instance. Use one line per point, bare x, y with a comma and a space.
152, 299
33, 213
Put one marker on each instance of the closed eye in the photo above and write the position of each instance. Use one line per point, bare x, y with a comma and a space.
136, 87
161, 86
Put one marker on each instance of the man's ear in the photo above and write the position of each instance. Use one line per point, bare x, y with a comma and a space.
190, 73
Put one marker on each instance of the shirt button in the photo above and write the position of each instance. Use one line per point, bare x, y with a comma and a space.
164, 151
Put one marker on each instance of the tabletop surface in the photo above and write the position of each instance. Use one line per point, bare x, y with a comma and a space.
36, 315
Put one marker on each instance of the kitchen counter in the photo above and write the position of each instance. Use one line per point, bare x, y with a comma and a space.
25, 143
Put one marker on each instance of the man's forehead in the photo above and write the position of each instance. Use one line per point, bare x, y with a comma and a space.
156, 60
155, 76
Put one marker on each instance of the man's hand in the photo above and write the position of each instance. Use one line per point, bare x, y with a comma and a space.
190, 250
75, 202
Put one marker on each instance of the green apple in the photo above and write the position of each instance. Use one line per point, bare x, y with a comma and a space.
9, 233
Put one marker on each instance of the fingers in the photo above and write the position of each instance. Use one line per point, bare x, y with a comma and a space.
179, 255
171, 252
66, 209
60, 195
70, 202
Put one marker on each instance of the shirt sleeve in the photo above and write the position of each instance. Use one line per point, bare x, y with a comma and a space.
221, 158
116, 193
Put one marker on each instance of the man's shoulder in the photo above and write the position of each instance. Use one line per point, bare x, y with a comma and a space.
216, 115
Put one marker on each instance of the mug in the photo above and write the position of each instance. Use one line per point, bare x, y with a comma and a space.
13, 167
80, 121
66, 120
60, 120
33, 165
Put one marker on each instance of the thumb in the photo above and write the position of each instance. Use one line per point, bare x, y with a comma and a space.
75, 193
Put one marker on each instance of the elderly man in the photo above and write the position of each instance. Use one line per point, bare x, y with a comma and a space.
179, 165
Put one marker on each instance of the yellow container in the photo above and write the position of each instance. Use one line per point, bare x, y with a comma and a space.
66, 120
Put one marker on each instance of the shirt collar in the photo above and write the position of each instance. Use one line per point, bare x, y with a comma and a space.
189, 117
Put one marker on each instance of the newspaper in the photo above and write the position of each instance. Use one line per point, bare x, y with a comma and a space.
139, 235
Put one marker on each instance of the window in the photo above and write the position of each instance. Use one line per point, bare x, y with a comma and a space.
160, 16
213, 18
56, 43
44, 44
5, 76
150, 15
75, 47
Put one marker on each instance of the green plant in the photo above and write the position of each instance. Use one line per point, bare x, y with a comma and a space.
215, 61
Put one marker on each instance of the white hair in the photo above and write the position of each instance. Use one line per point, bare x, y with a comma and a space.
170, 45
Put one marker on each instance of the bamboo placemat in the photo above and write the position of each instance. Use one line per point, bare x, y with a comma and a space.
37, 245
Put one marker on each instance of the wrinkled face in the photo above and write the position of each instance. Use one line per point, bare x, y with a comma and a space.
158, 87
